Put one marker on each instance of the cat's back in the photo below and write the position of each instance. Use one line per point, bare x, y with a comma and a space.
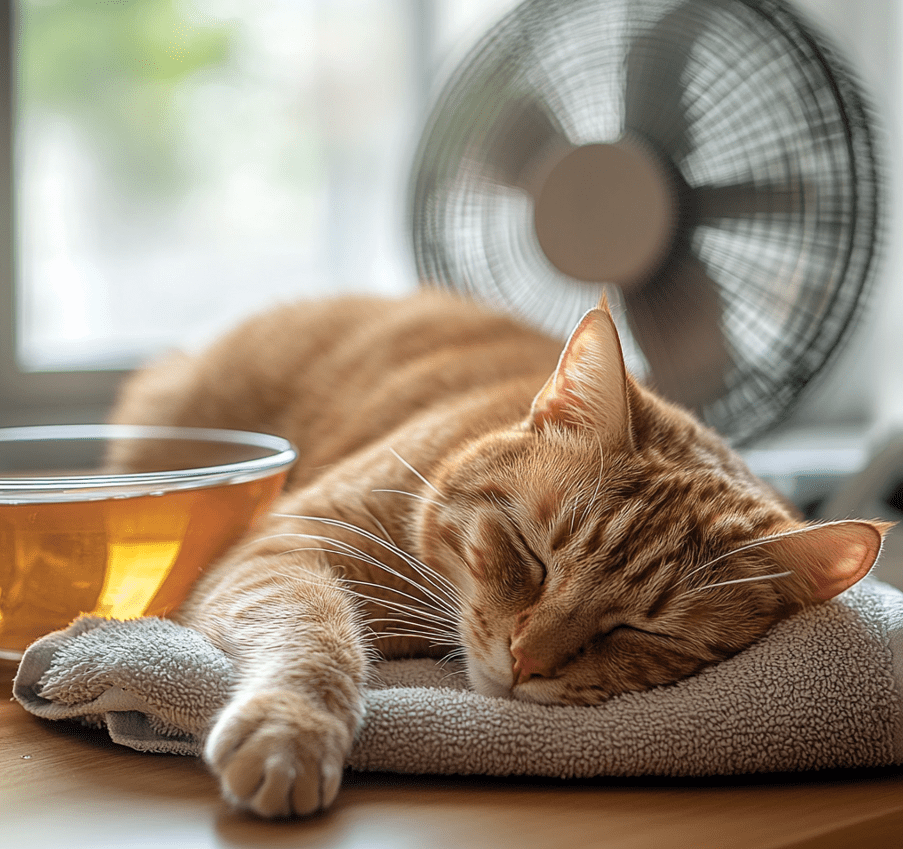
331, 375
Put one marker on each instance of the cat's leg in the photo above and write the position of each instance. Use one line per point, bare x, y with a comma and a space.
279, 746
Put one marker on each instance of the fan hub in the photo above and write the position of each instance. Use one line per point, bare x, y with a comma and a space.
607, 213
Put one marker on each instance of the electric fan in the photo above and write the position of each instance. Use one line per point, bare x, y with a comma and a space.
709, 162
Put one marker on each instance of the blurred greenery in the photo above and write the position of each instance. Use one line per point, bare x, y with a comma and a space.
116, 69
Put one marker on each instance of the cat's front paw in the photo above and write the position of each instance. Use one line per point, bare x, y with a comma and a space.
277, 754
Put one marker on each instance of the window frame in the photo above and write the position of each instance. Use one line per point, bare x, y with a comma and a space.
32, 397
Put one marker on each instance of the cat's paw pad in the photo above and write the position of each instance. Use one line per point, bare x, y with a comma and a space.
278, 755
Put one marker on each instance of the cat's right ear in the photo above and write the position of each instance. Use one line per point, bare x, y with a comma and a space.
588, 389
833, 556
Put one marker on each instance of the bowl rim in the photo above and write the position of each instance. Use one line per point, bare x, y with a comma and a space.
75, 487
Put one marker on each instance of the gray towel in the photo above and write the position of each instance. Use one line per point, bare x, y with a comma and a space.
822, 690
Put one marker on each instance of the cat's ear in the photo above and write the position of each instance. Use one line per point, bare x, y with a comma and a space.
831, 557
589, 386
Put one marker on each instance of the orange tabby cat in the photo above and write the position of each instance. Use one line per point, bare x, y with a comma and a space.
578, 536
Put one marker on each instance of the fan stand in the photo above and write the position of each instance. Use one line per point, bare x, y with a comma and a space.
606, 213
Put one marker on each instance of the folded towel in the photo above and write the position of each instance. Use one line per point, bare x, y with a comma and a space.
822, 689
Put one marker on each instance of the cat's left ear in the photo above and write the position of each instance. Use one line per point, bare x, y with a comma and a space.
589, 387
831, 557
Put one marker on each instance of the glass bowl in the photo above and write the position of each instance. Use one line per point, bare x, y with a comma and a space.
119, 520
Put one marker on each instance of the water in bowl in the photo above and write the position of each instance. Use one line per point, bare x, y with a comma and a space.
117, 554
121, 557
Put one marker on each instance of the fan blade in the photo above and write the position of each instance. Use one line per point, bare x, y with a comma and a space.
745, 200
523, 137
676, 319
654, 84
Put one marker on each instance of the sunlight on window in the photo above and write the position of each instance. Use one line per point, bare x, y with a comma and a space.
180, 164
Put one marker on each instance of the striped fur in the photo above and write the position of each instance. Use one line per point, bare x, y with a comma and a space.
465, 486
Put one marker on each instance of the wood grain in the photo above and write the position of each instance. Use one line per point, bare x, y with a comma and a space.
63, 785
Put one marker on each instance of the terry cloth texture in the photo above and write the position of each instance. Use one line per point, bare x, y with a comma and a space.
822, 690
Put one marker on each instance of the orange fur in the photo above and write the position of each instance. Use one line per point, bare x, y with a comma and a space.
460, 483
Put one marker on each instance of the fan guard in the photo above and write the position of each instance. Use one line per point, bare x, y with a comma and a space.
709, 162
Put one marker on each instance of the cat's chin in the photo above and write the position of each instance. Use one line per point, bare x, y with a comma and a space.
486, 685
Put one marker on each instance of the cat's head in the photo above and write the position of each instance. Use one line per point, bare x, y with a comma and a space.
610, 542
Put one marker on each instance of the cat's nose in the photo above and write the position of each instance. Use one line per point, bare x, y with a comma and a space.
526, 667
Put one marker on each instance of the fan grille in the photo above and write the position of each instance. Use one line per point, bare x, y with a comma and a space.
775, 174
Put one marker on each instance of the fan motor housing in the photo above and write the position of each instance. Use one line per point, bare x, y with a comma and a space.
607, 213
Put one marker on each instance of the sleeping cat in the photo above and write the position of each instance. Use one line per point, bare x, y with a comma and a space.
463, 482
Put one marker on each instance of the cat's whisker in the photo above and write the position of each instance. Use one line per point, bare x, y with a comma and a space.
740, 581
267, 538
389, 546
438, 581
454, 673
449, 612
400, 607
411, 630
456, 655
430, 629
431, 641
457, 597
439, 616
379, 524
440, 602
412, 469
443, 601
421, 627
411, 495
756, 544
431, 620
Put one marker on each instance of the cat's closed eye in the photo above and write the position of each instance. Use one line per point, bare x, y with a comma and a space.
534, 563
626, 629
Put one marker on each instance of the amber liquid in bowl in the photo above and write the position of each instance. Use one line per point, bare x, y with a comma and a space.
117, 557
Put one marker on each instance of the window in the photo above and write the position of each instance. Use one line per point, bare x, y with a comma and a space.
178, 164
170, 165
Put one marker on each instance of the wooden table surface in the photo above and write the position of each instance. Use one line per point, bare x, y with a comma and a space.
62, 785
